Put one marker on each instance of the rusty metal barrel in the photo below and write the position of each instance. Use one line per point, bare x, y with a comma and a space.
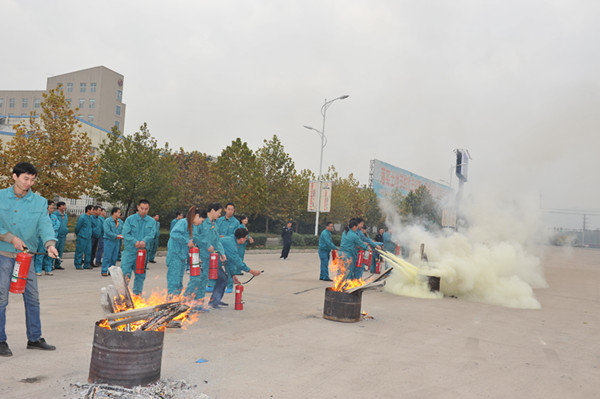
434, 283
341, 306
125, 358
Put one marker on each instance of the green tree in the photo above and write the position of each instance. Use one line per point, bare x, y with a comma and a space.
239, 179
195, 181
63, 156
133, 168
279, 202
420, 207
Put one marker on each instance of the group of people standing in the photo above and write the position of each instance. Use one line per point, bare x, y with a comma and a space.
211, 233
354, 238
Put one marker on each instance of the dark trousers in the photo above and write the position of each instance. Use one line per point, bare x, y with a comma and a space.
286, 250
219, 289
94, 248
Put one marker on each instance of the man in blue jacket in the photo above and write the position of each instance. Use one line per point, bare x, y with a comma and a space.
83, 244
206, 238
63, 230
227, 225
326, 245
23, 218
138, 232
233, 266
96, 233
113, 227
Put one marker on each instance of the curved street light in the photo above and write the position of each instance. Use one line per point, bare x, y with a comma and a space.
321, 133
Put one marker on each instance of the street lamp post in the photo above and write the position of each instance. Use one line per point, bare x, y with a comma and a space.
321, 133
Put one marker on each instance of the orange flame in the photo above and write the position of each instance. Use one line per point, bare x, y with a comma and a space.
339, 268
156, 298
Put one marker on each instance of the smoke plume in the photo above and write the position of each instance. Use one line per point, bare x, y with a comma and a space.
494, 258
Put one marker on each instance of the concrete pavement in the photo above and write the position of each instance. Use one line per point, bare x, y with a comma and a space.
279, 346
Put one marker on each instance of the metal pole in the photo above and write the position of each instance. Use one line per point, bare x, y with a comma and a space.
324, 111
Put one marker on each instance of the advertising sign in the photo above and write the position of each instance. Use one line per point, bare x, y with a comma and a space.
313, 188
389, 178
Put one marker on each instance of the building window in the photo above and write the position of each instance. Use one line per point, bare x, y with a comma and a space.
117, 125
37, 103
25, 103
69, 87
82, 87
119, 95
11, 102
81, 103
118, 110
1, 102
92, 87
92, 103
90, 118
69, 101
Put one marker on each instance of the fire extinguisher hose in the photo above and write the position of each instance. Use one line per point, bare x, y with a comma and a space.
246, 282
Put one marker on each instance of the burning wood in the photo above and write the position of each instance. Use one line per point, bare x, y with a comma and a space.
130, 313
341, 282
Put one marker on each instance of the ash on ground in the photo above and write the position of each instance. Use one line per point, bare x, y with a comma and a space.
163, 389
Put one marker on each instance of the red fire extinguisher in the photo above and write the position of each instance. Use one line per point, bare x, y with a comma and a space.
397, 250
213, 266
194, 261
239, 305
377, 266
333, 254
18, 280
359, 261
367, 260
140, 261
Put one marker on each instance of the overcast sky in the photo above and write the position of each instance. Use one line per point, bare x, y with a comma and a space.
516, 82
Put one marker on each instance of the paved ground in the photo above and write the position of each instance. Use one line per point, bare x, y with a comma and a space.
279, 346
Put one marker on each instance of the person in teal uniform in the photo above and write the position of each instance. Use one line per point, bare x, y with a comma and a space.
349, 247
232, 267
154, 244
244, 225
63, 230
364, 235
44, 262
227, 225
181, 240
83, 244
100, 251
23, 219
326, 245
138, 232
178, 217
113, 229
96, 233
206, 238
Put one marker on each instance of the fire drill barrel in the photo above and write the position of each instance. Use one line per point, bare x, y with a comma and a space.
140, 261
194, 261
18, 280
213, 266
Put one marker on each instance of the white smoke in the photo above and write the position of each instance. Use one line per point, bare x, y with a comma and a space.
494, 259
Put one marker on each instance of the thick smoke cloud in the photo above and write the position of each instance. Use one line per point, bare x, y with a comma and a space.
494, 258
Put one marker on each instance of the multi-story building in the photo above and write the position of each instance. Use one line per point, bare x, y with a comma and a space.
95, 93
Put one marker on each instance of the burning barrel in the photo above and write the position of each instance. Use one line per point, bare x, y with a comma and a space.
342, 306
126, 358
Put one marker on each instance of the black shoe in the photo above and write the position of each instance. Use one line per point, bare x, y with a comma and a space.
223, 304
59, 268
40, 344
325, 279
151, 261
5, 350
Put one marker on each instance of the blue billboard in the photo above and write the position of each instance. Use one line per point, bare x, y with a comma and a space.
387, 178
